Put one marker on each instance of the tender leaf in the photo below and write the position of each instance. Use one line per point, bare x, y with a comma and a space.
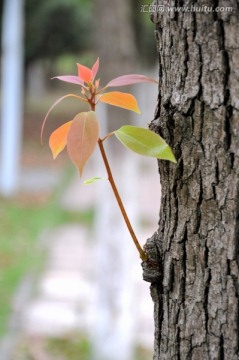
95, 69
56, 103
130, 79
70, 79
92, 180
58, 139
144, 142
85, 73
120, 99
82, 138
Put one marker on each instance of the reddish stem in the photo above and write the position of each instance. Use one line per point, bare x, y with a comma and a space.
142, 253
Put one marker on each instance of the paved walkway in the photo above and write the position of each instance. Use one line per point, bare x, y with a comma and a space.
62, 300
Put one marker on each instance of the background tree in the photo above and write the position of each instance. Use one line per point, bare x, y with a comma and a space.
195, 287
144, 41
12, 88
113, 332
56, 27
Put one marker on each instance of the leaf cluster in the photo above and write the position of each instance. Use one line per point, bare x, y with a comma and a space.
81, 134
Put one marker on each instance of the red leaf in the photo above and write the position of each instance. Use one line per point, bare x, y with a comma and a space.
130, 79
70, 79
52, 107
58, 139
120, 99
85, 73
82, 138
95, 69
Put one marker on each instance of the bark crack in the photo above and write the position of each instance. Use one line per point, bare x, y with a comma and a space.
184, 267
199, 203
178, 342
214, 6
186, 59
207, 280
200, 71
221, 344
227, 129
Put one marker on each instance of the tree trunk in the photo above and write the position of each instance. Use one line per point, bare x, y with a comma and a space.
195, 287
12, 96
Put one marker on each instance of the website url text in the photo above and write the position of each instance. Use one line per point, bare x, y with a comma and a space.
200, 9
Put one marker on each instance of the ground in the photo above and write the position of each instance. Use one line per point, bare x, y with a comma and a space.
40, 211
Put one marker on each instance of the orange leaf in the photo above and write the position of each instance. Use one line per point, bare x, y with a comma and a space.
85, 73
120, 99
82, 138
52, 107
58, 139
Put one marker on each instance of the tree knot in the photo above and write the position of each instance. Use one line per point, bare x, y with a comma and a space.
153, 267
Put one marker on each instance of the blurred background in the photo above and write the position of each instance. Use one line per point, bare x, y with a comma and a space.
70, 278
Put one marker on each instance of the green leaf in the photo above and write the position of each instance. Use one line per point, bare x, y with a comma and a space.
92, 180
144, 142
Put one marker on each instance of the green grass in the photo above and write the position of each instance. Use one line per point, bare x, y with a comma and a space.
73, 347
21, 223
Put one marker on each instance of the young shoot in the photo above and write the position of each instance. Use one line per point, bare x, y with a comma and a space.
81, 134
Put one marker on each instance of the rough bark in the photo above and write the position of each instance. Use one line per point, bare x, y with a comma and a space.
195, 290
